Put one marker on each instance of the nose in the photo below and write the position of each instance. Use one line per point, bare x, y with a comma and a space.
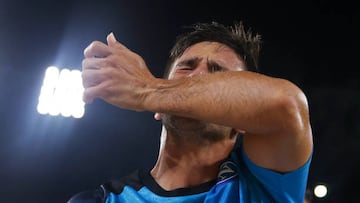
200, 69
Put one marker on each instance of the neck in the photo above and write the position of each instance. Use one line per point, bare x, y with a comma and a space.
182, 164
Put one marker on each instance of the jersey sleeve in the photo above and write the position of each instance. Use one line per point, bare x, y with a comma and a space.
283, 187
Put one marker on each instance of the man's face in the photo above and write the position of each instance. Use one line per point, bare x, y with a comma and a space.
201, 58
205, 57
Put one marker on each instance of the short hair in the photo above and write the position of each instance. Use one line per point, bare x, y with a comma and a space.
242, 42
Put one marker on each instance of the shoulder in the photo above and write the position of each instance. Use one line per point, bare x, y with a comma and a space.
90, 196
100, 194
116, 186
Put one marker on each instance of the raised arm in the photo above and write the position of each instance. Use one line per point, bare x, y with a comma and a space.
273, 112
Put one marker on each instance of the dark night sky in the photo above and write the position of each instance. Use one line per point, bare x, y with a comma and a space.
48, 159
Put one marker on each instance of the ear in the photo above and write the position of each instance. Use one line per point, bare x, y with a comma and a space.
158, 116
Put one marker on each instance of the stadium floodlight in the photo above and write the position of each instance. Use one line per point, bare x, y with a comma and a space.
61, 93
320, 191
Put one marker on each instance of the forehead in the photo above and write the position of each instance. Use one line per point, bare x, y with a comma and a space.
213, 51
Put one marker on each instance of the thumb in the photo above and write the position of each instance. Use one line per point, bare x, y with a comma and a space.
111, 40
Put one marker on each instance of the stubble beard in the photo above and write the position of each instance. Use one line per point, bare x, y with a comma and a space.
195, 131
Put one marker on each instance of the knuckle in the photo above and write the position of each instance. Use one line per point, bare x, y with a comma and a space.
111, 60
84, 63
107, 62
88, 52
86, 97
89, 49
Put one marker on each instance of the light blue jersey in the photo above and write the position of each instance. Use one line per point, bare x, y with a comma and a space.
240, 180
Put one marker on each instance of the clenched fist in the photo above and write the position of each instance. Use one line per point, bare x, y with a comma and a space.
115, 74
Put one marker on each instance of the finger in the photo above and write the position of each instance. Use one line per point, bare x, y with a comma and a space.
91, 77
111, 39
95, 63
97, 49
91, 93
88, 98
112, 42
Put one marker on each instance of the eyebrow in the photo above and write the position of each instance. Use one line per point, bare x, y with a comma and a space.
215, 66
193, 62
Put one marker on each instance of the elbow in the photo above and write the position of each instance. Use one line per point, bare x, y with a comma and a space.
298, 129
295, 111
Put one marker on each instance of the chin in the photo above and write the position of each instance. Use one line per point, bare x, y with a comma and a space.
183, 123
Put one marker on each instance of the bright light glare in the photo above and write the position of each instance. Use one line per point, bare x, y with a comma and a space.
61, 93
320, 191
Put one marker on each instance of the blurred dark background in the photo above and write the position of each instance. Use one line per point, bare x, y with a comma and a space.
48, 159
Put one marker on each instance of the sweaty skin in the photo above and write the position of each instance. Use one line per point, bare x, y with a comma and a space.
208, 98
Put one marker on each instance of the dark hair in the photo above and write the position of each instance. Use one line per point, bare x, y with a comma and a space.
244, 43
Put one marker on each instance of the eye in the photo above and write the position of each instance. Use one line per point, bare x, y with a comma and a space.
185, 68
215, 68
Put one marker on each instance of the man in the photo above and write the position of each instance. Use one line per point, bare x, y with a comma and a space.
308, 196
229, 134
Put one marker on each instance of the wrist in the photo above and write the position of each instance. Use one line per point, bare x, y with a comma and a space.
150, 96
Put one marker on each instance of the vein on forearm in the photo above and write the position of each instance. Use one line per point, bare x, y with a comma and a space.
237, 99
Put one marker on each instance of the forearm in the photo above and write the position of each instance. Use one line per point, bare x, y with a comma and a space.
244, 100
